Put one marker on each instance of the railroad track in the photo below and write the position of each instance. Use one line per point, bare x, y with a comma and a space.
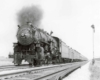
12, 67
52, 72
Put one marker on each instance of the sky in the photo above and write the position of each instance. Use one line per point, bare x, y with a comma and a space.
70, 20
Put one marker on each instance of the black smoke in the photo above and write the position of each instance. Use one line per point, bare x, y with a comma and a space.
32, 14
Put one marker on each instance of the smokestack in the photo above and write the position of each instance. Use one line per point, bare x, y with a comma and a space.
32, 14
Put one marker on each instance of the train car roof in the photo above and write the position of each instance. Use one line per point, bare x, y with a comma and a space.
60, 40
66, 44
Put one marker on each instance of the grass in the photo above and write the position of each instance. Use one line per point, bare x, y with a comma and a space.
95, 70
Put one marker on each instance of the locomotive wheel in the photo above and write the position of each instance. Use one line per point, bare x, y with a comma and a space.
18, 63
36, 62
40, 62
17, 60
46, 60
31, 63
60, 78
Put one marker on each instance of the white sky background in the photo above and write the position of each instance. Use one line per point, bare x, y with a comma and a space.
70, 20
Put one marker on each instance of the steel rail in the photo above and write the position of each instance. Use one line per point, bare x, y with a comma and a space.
3, 74
16, 73
57, 74
12, 67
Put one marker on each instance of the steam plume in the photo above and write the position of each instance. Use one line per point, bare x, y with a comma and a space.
31, 14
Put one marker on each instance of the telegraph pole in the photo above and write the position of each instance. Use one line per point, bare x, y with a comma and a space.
93, 61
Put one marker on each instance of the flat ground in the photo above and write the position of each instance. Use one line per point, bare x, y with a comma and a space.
95, 70
5, 61
8, 61
82, 73
87, 72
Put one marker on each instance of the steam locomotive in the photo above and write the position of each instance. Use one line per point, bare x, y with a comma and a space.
38, 47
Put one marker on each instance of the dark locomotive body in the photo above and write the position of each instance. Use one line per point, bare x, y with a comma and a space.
37, 47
